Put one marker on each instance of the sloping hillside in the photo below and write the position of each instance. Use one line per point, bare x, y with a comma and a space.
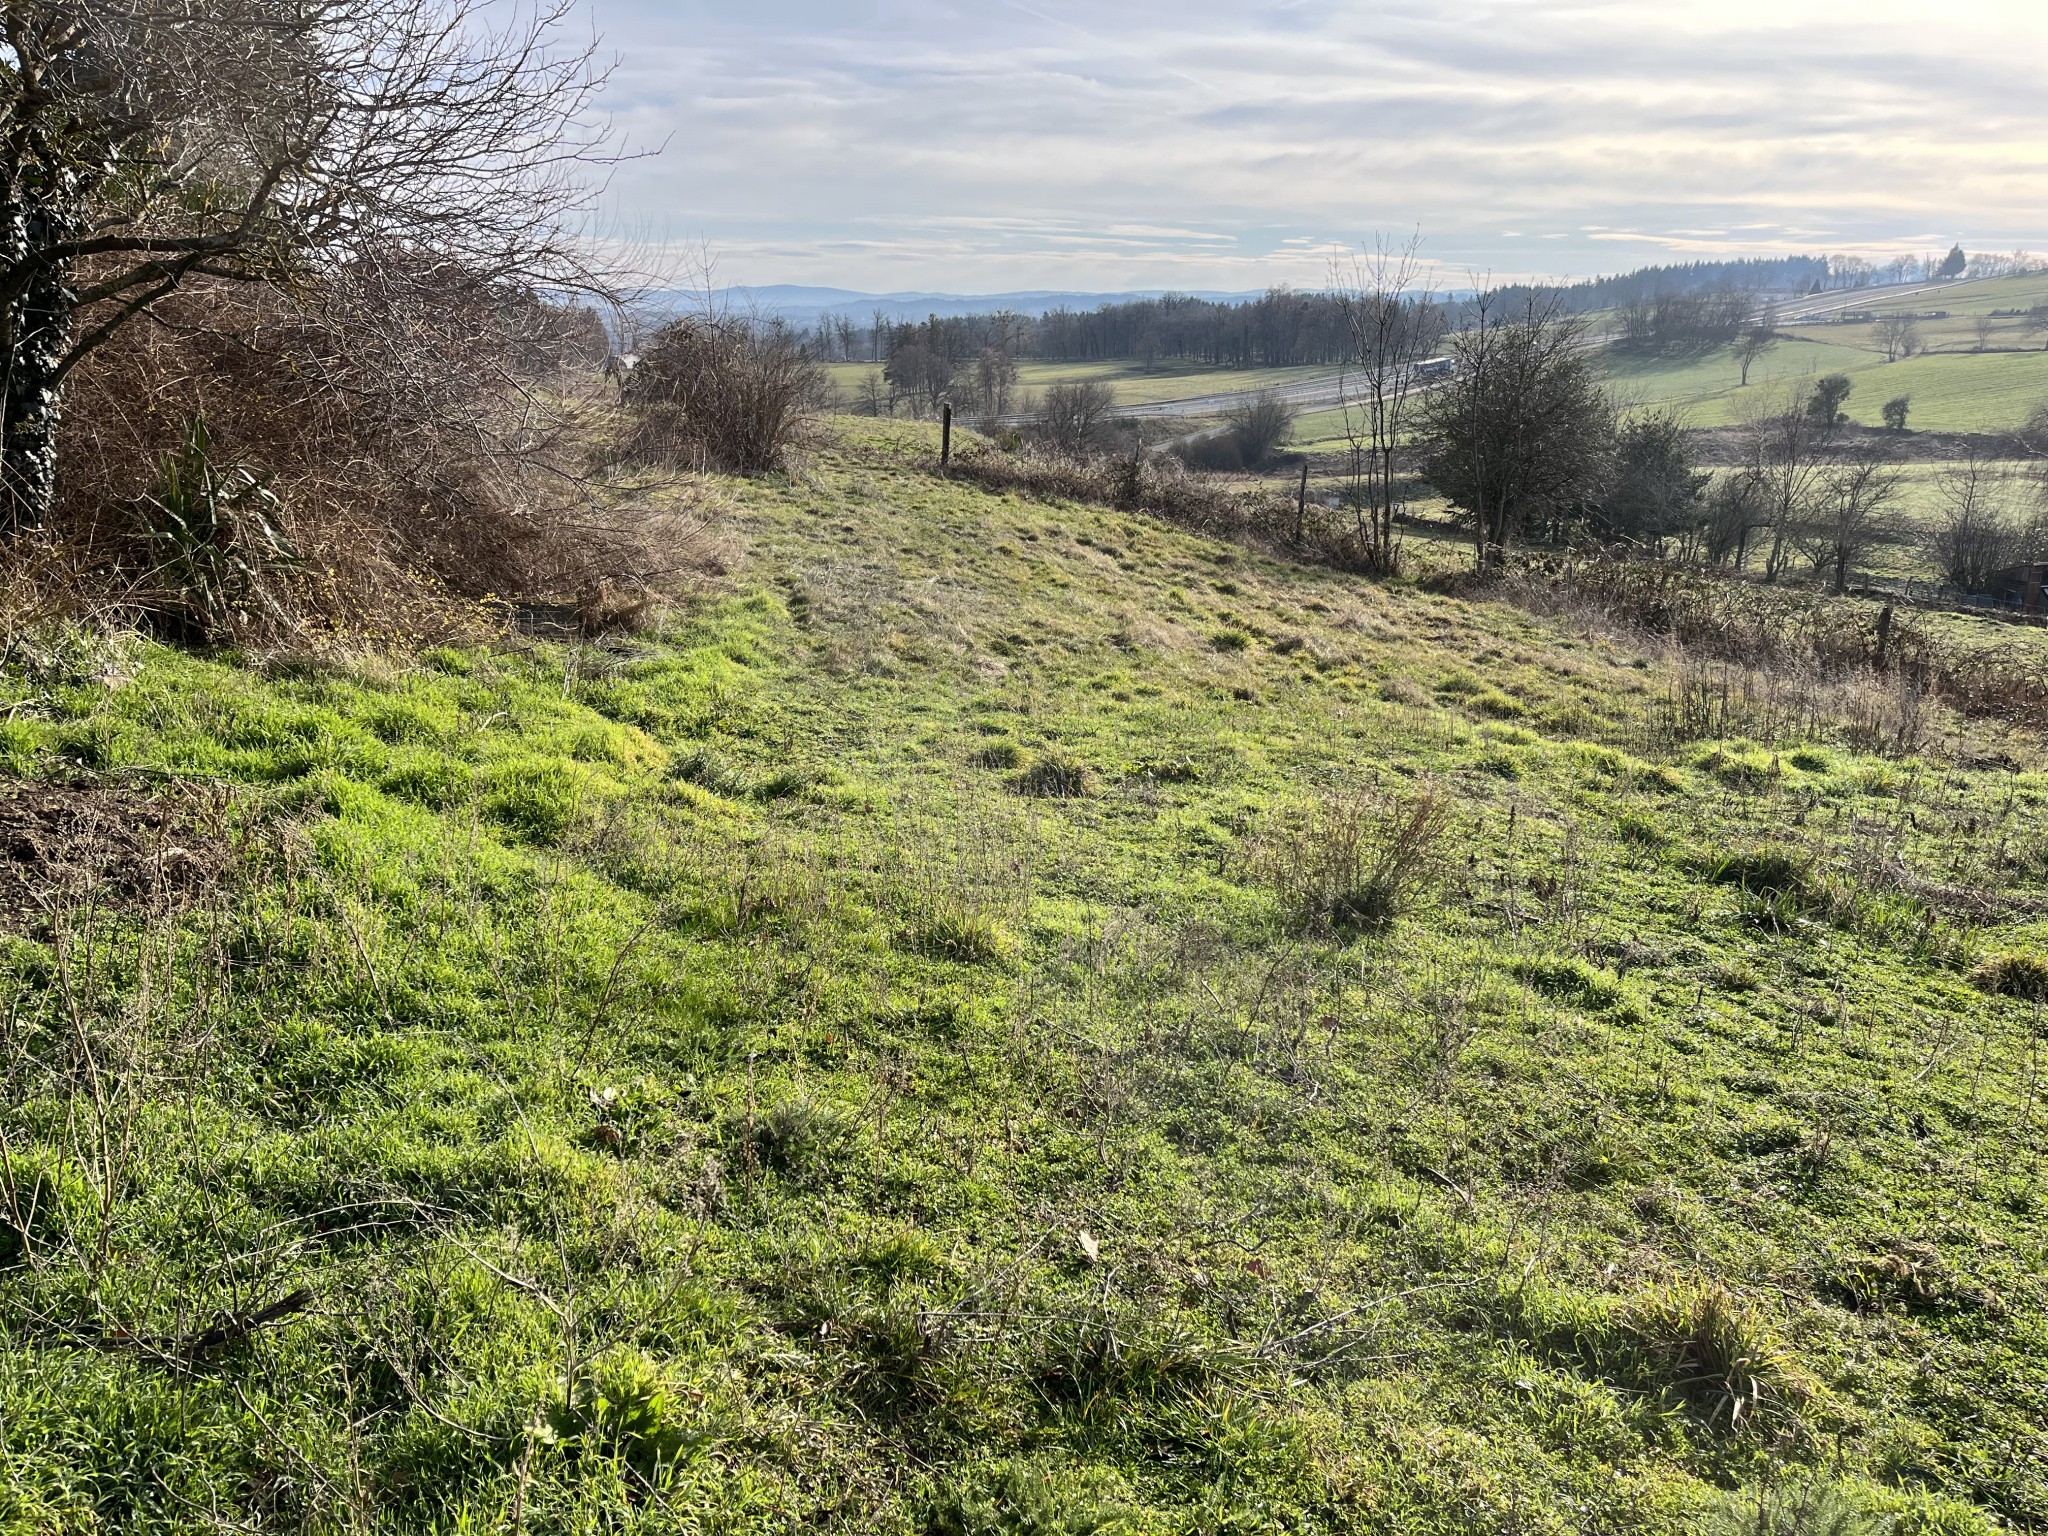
1960, 379
1007, 1017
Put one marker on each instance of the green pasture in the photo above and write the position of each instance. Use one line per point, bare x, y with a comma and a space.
929, 1039
1133, 382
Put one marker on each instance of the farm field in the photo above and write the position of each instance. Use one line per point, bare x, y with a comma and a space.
1958, 384
1951, 392
925, 1040
1133, 382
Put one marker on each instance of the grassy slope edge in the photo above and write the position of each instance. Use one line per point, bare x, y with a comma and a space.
689, 1087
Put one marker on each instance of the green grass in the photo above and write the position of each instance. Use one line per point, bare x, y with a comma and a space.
713, 1085
1956, 390
1951, 392
1134, 383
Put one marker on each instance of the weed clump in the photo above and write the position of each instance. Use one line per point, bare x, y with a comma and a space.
1356, 862
2016, 973
621, 1409
1764, 870
1054, 777
1643, 831
1699, 1342
1022, 1501
535, 800
958, 930
721, 394
1000, 754
1571, 979
39, 1199
792, 1137
1800, 1509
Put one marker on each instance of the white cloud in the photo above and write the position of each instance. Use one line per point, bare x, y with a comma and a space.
1036, 143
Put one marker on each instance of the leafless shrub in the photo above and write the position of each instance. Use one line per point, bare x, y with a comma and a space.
415, 423
1074, 419
1789, 635
1259, 424
1165, 487
1356, 860
1980, 532
219, 142
721, 393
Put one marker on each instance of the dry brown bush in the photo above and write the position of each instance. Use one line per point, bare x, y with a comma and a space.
1794, 635
1356, 859
421, 431
714, 393
1165, 487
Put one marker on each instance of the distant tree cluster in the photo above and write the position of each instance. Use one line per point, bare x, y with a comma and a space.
1528, 448
1679, 324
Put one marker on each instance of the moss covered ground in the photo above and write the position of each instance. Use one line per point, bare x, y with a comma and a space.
908, 1046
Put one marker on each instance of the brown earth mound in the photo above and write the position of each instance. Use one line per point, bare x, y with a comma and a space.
94, 844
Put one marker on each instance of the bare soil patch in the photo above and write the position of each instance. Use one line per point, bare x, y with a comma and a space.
92, 843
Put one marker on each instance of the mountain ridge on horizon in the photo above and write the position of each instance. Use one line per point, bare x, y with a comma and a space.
805, 303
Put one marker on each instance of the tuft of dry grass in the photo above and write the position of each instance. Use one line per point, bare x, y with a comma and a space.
2016, 973
1357, 860
1703, 1343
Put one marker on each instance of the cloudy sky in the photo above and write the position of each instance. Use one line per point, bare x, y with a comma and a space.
1009, 144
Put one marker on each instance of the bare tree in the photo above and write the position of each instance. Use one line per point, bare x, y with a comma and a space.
1259, 424
1074, 418
1522, 434
1730, 513
1392, 326
1899, 335
1786, 451
1980, 532
995, 381
920, 373
145, 145
1985, 327
1751, 345
1852, 512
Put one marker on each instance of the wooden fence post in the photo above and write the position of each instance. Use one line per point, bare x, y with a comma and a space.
1301, 504
945, 434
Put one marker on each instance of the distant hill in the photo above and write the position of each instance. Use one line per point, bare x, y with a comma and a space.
806, 306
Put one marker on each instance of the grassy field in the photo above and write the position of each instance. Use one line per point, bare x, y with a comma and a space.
1959, 383
1133, 382
931, 1040
1950, 391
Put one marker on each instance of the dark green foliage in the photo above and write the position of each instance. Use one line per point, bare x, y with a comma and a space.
1656, 487
216, 545
1829, 394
